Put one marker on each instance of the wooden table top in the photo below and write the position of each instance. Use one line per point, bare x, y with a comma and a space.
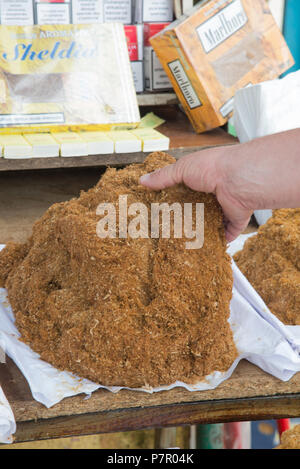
249, 394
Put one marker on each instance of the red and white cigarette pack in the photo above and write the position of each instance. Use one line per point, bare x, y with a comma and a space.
155, 77
134, 36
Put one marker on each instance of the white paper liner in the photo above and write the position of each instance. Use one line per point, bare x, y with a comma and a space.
259, 337
7, 420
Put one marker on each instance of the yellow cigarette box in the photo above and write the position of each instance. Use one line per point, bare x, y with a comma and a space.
125, 141
71, 144
152, 140
15, 147
43, 145
98, 143
216, 49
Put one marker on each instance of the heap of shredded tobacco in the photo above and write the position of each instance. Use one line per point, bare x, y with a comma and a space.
290, 439
270, 261
124, 312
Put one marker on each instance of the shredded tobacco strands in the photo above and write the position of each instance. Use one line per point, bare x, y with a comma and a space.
122, 311
270, 261
290, 439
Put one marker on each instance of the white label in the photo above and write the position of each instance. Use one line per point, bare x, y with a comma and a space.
222, 25
138, 76
21, 119
17, 12
117, 11
160, 11
87, 11
53, 13
184, 84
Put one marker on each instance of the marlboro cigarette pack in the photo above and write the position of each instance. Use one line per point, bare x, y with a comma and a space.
66, 77
219, 48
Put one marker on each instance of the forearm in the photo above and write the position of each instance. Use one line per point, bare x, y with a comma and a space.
265, 173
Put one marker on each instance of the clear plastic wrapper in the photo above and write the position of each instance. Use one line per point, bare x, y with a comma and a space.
65, 77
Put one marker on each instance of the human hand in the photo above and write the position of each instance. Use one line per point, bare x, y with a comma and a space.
209, 171
261, 174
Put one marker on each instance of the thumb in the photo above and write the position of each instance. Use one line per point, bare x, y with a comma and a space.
234, 228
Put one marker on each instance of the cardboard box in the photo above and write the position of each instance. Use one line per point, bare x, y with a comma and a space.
221, 47
153, 11
156, 78
134, 36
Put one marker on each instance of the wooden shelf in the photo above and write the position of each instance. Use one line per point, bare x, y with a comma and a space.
177, 127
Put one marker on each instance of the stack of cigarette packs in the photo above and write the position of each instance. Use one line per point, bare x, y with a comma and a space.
141, 19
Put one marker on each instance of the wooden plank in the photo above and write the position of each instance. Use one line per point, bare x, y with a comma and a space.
140, 418
115, 160
238, 395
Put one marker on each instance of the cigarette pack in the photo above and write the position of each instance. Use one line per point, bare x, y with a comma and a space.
134, 37
117, 11
98, 143
15, 147
155, 75
152, 140
52, 12
87, 11
16, 12
153, 11
217, 49
125, 141
66, 77
43, 145
71, 144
